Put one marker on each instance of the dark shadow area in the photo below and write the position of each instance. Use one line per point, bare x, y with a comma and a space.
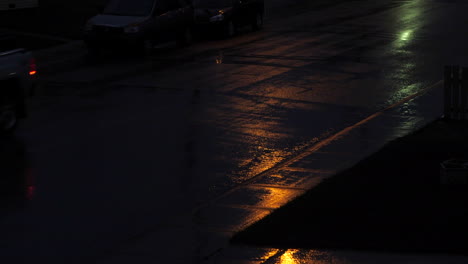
52, 17
391, 201
13, 40
16, 178
127, 55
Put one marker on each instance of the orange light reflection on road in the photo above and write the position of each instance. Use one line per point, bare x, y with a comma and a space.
303, 256
220, 58
277, 197
267, 161
288, 257
269, 254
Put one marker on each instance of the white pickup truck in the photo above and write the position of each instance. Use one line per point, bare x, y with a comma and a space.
17, 78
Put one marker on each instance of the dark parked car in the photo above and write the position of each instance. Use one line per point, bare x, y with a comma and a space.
139, 24
226, 16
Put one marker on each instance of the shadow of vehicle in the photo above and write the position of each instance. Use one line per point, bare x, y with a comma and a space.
16, 178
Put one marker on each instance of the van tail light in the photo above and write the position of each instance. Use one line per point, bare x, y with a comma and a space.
32, 66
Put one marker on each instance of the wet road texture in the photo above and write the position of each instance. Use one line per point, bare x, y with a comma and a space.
162, 159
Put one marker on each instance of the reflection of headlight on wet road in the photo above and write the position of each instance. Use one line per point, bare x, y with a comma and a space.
217, 18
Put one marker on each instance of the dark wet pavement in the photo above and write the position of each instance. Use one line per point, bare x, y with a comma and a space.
264, 101
196, 144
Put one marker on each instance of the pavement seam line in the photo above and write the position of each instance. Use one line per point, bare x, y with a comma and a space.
261, 186
316, 171
275, 257
249, 207
315, 147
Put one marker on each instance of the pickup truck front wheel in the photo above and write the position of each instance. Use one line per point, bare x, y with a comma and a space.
8, 118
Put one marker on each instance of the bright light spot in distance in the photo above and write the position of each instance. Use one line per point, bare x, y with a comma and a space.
406, 35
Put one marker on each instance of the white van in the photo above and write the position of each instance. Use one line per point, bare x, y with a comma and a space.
17, 4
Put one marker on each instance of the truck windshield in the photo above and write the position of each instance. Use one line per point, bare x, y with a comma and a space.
212, 3
129, 7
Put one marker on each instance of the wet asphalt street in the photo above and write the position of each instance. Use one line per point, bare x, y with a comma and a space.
160, 160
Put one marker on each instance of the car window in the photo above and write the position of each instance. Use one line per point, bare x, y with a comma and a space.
129, 7
212, 3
